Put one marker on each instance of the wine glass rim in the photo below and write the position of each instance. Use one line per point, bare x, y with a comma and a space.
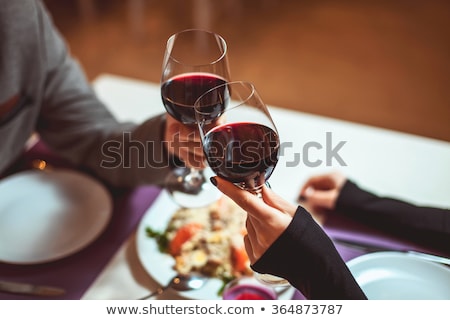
222, 41
243, 101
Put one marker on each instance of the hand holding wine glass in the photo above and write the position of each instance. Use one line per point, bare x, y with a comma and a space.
184, 142
242, 145
267, 219
194, 62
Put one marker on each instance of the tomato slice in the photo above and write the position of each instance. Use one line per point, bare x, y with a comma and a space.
240, 259
183, 234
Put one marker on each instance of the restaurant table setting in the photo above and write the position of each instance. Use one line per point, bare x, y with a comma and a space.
100, 249
73, 244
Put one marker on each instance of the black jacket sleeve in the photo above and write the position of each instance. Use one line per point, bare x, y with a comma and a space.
307, 258
424, 225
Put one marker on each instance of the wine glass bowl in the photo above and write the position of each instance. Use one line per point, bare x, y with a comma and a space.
194, 62
242, 145
247, 288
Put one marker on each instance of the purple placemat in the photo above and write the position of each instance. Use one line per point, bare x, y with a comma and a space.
341, 227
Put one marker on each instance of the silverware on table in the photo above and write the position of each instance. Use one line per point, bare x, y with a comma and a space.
30, 289
375, 248
181, 282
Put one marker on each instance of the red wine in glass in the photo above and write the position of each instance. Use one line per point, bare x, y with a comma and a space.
180, 93
249, 292
244, 153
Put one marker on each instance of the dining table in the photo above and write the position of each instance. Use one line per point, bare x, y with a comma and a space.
395, 164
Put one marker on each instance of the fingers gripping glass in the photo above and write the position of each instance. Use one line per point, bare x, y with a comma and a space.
194, 62
240, 142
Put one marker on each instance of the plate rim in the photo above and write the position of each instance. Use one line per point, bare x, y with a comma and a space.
143, 243
104, 219
373, 256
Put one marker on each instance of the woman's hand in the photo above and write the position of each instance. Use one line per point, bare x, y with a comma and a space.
322, 191
267, 218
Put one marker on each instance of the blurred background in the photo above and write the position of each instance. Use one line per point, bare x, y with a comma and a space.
378, 62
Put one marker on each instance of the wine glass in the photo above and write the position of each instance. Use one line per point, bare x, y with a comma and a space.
247, 288
195, 61
242, 145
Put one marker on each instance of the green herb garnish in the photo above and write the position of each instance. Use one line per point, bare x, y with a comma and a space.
160, 237
225, 281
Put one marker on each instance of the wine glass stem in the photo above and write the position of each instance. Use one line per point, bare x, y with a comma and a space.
195, 173
258, 192
194, 176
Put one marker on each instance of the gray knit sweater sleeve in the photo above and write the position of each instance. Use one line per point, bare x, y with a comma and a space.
62, 107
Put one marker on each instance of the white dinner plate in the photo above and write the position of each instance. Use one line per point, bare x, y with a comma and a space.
160, 265
399, 276
50, 214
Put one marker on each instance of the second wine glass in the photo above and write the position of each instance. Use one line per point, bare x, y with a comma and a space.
242, 145
194, 62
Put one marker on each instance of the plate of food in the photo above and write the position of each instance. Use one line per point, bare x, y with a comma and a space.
400, 276
209, 240
46, 215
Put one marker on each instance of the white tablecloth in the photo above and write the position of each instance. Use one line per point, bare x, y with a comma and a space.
408, 167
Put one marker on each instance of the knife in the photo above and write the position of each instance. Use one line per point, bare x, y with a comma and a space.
375, 248
30, 289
